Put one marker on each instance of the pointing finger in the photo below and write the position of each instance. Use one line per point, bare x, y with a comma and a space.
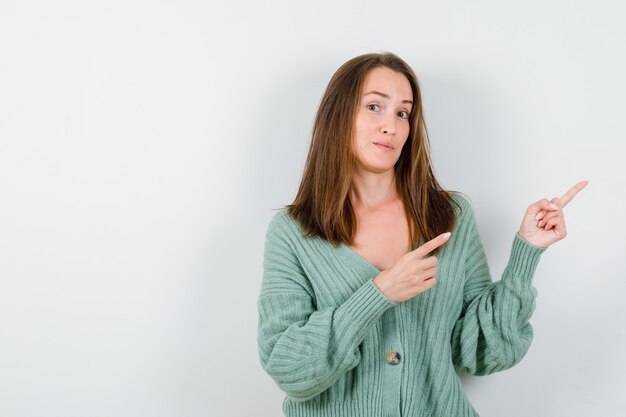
569, 195
431, 245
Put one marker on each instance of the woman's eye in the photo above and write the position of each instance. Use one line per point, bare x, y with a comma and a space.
403, 114
370, 106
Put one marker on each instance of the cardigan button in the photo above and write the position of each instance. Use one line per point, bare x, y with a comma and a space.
393, 358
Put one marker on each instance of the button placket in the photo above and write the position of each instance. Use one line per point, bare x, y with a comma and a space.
393, 364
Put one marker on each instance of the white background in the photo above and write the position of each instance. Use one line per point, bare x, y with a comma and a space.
145, 144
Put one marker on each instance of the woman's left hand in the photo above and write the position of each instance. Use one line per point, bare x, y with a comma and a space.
544, 222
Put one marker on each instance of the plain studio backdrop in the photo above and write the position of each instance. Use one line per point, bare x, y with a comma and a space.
146, 144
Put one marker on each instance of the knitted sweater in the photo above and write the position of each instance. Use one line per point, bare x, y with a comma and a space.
325, 331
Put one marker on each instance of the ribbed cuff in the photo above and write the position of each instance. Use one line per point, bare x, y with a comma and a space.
369, 301
363, 308
524, 258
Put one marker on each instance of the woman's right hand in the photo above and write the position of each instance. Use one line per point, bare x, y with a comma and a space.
411, 275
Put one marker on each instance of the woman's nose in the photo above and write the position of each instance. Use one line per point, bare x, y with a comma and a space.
388, 126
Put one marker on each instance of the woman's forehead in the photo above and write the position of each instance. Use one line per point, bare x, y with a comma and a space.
387, 82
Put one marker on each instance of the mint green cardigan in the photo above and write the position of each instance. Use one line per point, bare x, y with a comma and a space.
324, 328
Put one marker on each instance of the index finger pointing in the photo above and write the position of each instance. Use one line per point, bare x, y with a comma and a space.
569, 195
431, 245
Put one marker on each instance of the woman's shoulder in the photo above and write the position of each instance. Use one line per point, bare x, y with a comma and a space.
281, 216
463, 202
463, 210
282, 222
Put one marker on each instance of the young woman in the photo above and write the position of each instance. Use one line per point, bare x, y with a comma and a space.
355, 319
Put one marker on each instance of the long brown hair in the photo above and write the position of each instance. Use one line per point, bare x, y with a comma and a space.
322, 205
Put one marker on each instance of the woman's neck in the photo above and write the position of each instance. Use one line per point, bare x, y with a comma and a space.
371, 191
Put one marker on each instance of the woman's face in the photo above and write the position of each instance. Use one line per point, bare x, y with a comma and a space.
381, 126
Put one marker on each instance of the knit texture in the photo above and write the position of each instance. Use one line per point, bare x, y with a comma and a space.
324, 328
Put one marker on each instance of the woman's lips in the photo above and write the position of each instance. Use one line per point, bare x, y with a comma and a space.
383, 146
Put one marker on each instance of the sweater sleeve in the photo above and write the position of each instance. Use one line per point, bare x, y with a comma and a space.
493, 332
305, 349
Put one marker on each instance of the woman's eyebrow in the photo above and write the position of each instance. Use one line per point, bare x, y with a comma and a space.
386, 96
